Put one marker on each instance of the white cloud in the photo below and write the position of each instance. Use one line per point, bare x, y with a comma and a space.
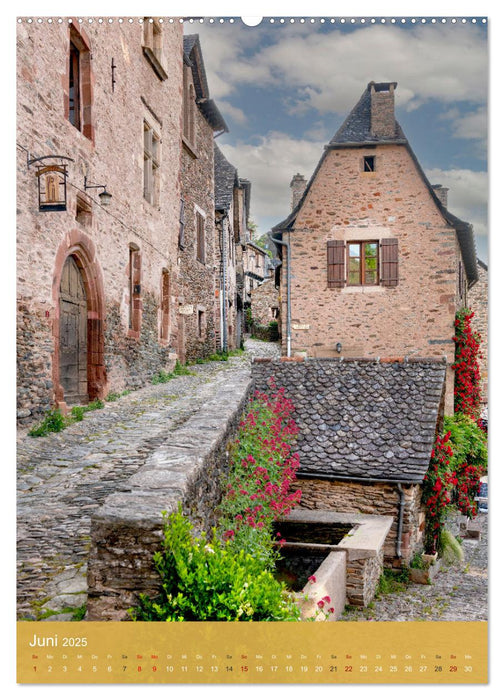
269, 165
467, 196
234, 113
330, 70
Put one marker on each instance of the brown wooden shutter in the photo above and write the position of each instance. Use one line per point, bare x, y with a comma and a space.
335, 264
389, 262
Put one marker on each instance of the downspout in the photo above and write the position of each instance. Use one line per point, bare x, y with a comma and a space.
287, 245
400, 520
224, 338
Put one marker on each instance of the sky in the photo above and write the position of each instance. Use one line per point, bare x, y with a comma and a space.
285, 88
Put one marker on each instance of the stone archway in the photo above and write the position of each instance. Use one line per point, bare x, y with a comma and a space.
78, 300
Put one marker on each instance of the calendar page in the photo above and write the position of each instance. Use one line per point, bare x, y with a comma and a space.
252, 344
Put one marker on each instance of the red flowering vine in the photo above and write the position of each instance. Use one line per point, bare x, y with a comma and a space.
466, 366
259, 489
436, 491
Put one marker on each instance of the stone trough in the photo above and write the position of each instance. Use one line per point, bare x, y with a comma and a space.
343, 552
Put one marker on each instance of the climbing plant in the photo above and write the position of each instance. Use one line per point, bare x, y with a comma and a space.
466, 366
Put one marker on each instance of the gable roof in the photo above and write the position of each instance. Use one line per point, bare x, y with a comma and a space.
193, 57
361, 419
356, 132
225, 178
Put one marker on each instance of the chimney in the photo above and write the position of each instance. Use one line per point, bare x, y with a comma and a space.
442, 194
383, 125
298, 186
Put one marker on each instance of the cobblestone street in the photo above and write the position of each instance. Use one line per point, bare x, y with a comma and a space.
63, 477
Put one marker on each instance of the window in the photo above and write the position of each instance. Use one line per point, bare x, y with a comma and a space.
201, 323
74, 105
79, 86
362, 263
153, 46
165, 305
151, 164
189, 107
369, 164
135, 301
200, 237
461, 280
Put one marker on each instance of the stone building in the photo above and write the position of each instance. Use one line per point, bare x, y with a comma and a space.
366, 429
379, 266
198, 255
265, 302
232, 195
478, 302
99, 111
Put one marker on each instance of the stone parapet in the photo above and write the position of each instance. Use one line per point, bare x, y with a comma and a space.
186, 469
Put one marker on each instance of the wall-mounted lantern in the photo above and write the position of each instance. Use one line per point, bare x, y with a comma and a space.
104, 196
51, 182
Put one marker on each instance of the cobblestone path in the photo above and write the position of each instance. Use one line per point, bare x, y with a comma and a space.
63, 477
458, 592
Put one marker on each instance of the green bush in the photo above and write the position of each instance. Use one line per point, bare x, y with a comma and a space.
210, 581
77, 413
54, 422
468, 441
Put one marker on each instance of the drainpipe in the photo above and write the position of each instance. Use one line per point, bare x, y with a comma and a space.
400, 520
287, 245
223, 309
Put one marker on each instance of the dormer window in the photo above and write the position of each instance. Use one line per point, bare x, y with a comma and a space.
369, 164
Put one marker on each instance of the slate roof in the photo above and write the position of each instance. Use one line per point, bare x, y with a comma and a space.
361, 419
226, 179
356, 131
193, 57
357, 126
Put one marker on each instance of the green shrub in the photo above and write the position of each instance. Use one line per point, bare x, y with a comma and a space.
210, 581
418, 562
450, 548
54, 422
77, 413
393, 581
467, 440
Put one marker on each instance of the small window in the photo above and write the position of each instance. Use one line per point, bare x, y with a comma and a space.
135, 301
200, 237
201, 323
165, 305
74, 105
369, 164
362, 263
189, 107
79, 97
153, 46
151, 164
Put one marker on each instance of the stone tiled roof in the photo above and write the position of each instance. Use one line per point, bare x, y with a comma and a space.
362, 419
193, 57
357, 126
226, 179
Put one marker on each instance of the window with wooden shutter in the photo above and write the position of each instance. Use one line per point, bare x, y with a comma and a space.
389, 262
335, 264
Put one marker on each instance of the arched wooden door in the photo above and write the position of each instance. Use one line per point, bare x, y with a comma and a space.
73, 334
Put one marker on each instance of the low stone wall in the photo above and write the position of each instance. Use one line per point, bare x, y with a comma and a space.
127, 529
363, 548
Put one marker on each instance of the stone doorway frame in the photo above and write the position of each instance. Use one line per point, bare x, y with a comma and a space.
83, 250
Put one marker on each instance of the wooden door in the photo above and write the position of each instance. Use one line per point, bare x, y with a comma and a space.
73, 334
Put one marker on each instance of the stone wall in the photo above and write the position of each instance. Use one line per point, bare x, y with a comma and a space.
109, 150
478, 302
346, 204
370, 499
186, 469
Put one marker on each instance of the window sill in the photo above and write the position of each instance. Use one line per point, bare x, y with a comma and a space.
156, 65
371, 289
190, 148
